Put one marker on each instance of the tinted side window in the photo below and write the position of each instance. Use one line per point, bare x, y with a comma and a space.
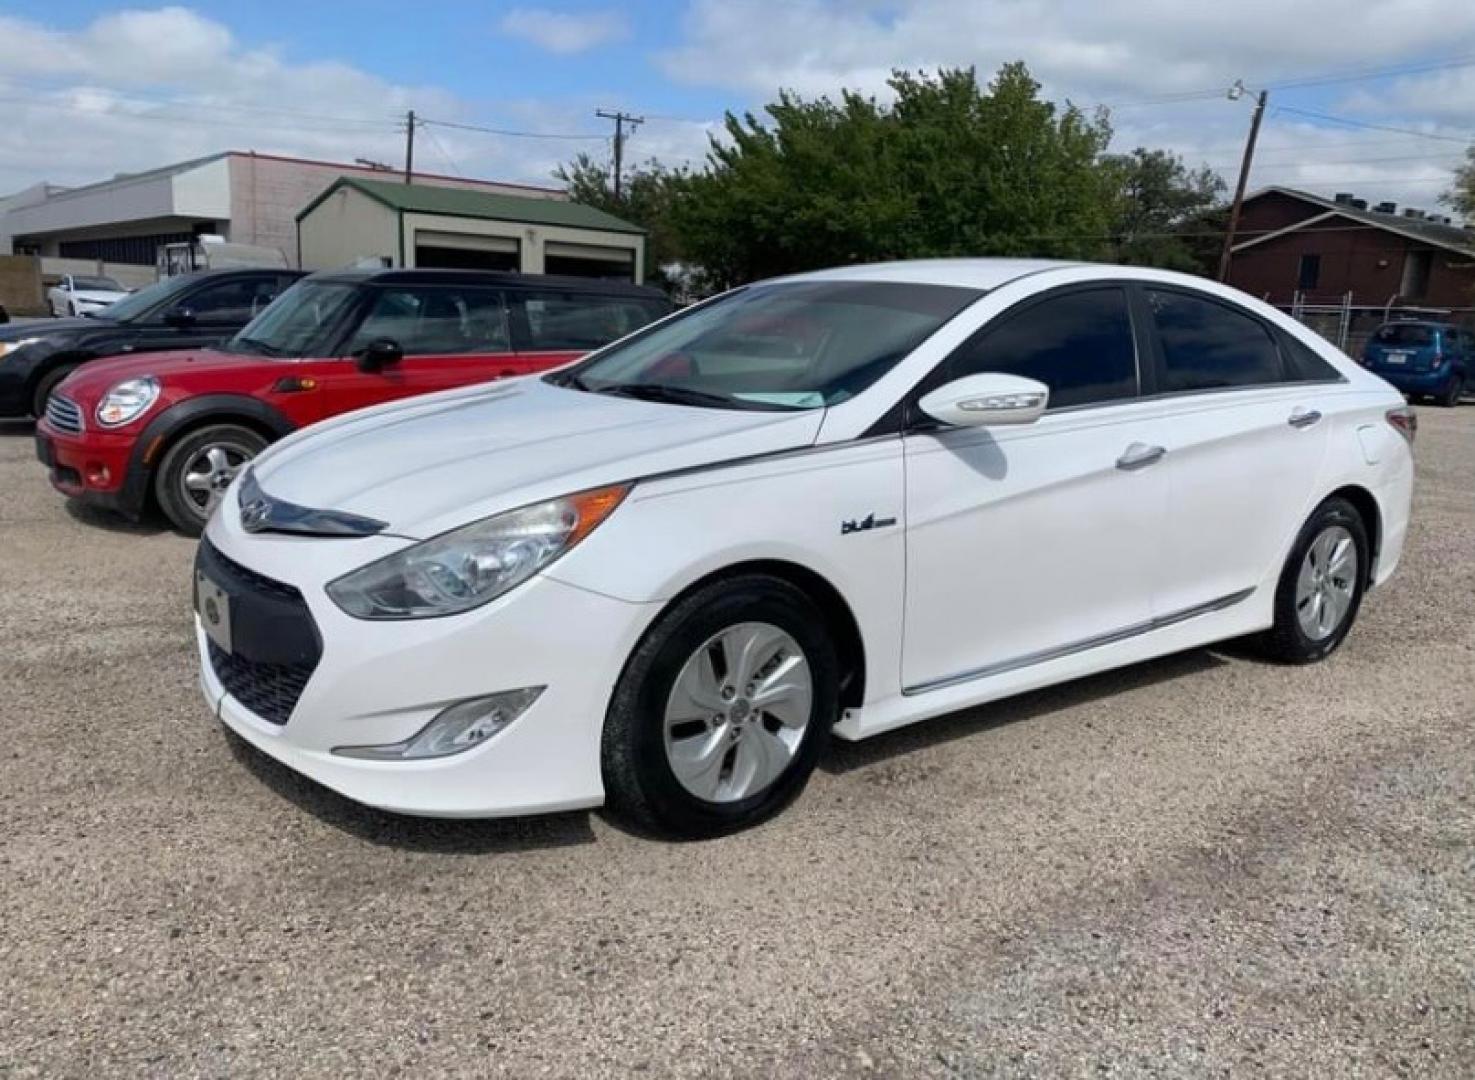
577, 321
1078, 344
1207, 345
233, 302
1305, 364
436, 320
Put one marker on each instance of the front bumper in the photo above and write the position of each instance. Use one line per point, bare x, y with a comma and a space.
95, 466
381, 682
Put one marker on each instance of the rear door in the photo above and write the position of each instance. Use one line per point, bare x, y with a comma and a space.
1244, 434
451, 335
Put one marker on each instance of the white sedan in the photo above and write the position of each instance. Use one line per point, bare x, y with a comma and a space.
76, 295
840, 502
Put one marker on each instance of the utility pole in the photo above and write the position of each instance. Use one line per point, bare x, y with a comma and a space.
620, 119
409, 145
1235, 93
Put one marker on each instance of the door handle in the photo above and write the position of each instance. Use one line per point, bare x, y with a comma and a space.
1139, 456
1302, 418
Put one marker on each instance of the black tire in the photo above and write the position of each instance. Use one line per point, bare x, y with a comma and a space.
184, 514
45, 385
640, 785
1453, 391
71, 310
1286, 641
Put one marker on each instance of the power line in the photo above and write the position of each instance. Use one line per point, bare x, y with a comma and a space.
443, 153
1464, 140
512, 134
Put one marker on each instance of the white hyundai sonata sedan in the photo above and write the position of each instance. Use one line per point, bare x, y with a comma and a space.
838, 502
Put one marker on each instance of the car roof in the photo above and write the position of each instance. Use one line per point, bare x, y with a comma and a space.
982, 273
503, 278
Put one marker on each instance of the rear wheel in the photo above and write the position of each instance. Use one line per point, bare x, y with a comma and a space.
46, 385
1453, 391
1321, 586
722, 710
198, 468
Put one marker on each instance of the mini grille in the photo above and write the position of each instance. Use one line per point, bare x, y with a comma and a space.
64, 415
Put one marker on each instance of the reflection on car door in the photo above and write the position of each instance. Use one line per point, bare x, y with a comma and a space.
1245, 443
1023, 541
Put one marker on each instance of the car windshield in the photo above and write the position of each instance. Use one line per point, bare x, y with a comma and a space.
144, 300
101, 284
1408, 335
297, 322
796, 345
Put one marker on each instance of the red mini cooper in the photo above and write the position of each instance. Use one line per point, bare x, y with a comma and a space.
174, 428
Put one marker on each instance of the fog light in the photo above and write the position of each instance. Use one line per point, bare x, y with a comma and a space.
98, 475
455, 729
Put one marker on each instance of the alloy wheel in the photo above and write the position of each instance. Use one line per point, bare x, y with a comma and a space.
737, 712
1327, 583
208, 473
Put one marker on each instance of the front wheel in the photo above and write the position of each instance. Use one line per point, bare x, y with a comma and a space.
1321, 586
198, 468
722, 710
47, 383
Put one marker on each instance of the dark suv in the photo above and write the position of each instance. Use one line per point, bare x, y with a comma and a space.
1421, 358
187, 312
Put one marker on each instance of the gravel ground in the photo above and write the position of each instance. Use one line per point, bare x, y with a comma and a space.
1202, 866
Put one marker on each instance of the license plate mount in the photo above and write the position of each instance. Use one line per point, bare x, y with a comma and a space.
213, 605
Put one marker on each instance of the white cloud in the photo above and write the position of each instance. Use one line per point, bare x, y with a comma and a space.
137, 89
562, 32
1122, 52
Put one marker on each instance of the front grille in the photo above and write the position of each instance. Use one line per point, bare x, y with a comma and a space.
268, 690
275, 642
63, 414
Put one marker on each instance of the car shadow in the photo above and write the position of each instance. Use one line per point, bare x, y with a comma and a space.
843, 757
17, 429
441, 836
110, 521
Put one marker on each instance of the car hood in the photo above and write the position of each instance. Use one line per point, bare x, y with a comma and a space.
90, 381
430, 464
96, 296
44, 328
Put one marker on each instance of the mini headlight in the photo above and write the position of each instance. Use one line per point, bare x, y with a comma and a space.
127, 401
8, 347
469, 566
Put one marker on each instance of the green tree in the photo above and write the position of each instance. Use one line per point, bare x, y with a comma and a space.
1461, 197
948, 168
648, 192
1163, 211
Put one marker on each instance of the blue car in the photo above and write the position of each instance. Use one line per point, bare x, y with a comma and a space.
1429, 359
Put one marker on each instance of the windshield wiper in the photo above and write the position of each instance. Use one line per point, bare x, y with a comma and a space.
569, 379
679, 395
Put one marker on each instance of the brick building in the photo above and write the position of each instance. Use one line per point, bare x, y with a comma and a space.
1296, 249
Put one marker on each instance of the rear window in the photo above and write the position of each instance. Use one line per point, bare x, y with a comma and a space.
1405, 335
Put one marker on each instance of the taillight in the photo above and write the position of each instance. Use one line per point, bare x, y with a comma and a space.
1405, 421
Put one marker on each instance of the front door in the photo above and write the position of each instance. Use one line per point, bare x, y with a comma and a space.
1029, 542
451, 336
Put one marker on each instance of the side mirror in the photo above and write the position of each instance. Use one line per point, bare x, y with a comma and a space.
180, 317
379, 354
987, 400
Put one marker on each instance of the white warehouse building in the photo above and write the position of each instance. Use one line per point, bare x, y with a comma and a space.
244, 197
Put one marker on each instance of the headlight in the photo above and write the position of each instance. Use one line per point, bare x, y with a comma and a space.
469, 566
8, 347
127, 401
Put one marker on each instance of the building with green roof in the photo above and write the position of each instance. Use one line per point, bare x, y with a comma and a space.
360, 222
